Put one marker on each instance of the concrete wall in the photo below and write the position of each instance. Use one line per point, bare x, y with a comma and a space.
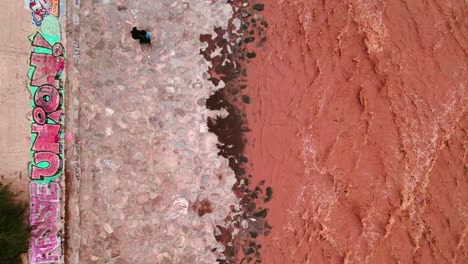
15, 28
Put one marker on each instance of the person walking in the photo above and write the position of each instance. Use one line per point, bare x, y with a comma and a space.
142, 35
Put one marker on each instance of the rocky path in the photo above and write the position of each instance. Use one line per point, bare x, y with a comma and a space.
147, 159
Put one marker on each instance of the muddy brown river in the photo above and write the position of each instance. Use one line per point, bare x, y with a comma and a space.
358, 123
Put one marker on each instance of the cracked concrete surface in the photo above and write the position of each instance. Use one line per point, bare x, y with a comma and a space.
147, 158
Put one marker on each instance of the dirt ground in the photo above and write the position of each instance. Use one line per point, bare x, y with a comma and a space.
15, 109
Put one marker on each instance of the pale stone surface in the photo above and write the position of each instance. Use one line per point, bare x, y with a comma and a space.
146, 155
15, 28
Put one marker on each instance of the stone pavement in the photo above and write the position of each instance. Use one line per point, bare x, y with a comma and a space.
147, 163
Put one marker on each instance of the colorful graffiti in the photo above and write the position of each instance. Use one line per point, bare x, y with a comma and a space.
45, 214
41, 8
46, 75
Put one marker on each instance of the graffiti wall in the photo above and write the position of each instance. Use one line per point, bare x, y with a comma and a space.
46, 85
42, 8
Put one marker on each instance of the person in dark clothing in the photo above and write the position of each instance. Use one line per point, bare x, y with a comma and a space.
135, 33
142, 35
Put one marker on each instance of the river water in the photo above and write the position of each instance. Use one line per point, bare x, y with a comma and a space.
358, 123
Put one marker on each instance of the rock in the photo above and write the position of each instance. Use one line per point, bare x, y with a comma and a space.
201, 101
259, 7
153, 195
244, 223
139, 156
121, 8
109, 112
181, 206
108, 228
143, 198
170, 89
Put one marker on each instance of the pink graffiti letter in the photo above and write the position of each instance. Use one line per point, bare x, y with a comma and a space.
45, 192
54, 161
44, 217
47, 138
48, 98
47, 67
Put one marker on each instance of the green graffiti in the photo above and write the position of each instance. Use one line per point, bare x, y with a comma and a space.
47, 66
50, 29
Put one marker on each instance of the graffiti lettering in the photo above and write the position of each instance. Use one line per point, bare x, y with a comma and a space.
41, 8
56, 116
45, 192
39, 41
39, 115
47, 68
47, 114
48, 98
47, 138
44, 214
47, 63
54, 165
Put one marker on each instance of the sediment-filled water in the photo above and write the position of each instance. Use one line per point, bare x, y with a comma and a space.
358, 124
